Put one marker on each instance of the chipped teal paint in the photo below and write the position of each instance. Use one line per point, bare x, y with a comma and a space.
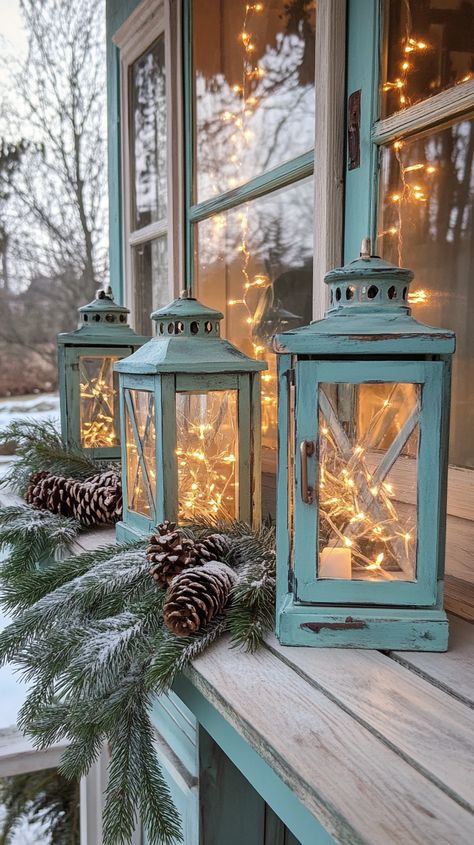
188, 354
351, 345
103, 333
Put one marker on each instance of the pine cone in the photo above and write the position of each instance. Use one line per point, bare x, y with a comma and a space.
33, 482
213, 547
169, 553
53, 493
196, 596
97, 503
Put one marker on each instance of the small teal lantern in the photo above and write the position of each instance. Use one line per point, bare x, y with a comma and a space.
88, 388
190, 412
363, 434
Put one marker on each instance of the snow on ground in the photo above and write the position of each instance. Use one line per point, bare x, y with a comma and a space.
41, 407
29, 834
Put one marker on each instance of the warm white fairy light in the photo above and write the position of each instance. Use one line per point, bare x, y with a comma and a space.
358, 514
206, 452
97, 398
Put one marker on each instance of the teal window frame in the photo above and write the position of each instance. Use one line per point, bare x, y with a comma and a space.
364, 50
284, 175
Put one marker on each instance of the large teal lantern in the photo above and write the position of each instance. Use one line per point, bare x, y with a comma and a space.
363, 433
87, 385
190, 411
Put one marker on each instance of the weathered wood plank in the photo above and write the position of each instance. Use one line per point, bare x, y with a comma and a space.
459, 597
452, 671
347, 777
414, 717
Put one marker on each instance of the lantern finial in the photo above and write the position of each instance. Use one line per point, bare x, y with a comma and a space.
365, 249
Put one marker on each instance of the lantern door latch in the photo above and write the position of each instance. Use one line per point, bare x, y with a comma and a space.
307, 450
353, 131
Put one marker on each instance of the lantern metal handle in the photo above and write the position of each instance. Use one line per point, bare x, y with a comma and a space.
306, 451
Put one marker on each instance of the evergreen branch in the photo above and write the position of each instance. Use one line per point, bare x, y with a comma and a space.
173, 654
39, 446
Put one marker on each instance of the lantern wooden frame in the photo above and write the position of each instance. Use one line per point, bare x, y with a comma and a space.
103, 335
187, 356
367, 337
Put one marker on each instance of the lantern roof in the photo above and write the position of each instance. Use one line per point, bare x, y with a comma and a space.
102, 322
369, 305
188, 340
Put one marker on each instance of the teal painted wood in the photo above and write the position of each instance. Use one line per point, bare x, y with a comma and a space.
103, 332
368, 316
255, 448
362, 75
284, 479
117, 12
423, 591
232, 811
355, 627
305, 827
188, 355
179, 728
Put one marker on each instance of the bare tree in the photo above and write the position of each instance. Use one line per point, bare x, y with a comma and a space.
54, 218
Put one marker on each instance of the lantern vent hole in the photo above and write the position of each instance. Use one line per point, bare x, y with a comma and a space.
208, 327
405, 293
162, 328
332, 297
338, 294
194, 327
392, 292
372, 291
97, 318
179, 327
122, 318
110, 318
350, 293
86, 318
170, 328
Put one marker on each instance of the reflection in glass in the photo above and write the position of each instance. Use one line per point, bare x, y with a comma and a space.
207, 452
366, 435
425, 223
39, 808
148, 130
98, 407
429, 46
150, 280
254, 264
253, 87
141, 437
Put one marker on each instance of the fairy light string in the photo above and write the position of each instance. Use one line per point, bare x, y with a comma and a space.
97, 400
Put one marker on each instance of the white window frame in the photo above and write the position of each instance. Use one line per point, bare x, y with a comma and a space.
148, 21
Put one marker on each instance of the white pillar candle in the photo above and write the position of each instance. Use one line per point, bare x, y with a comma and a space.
335, 562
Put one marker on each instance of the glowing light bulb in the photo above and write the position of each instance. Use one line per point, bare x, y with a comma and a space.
347, 542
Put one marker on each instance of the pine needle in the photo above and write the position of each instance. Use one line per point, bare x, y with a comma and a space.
39, 446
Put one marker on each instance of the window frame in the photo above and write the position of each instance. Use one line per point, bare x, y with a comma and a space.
365, 28
328, 151
150, 20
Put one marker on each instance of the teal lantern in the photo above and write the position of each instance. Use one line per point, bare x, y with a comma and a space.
190, 411
363, 432
87, 384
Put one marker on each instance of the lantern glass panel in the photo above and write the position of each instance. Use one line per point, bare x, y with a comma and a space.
368, 447
141, 437
99, 411
207, 452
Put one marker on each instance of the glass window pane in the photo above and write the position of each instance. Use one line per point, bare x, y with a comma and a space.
207, 451
141, 440
428, 47
255, 264
425, 223
99, 411
253, 89
148, 136
150, 281
364, 532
